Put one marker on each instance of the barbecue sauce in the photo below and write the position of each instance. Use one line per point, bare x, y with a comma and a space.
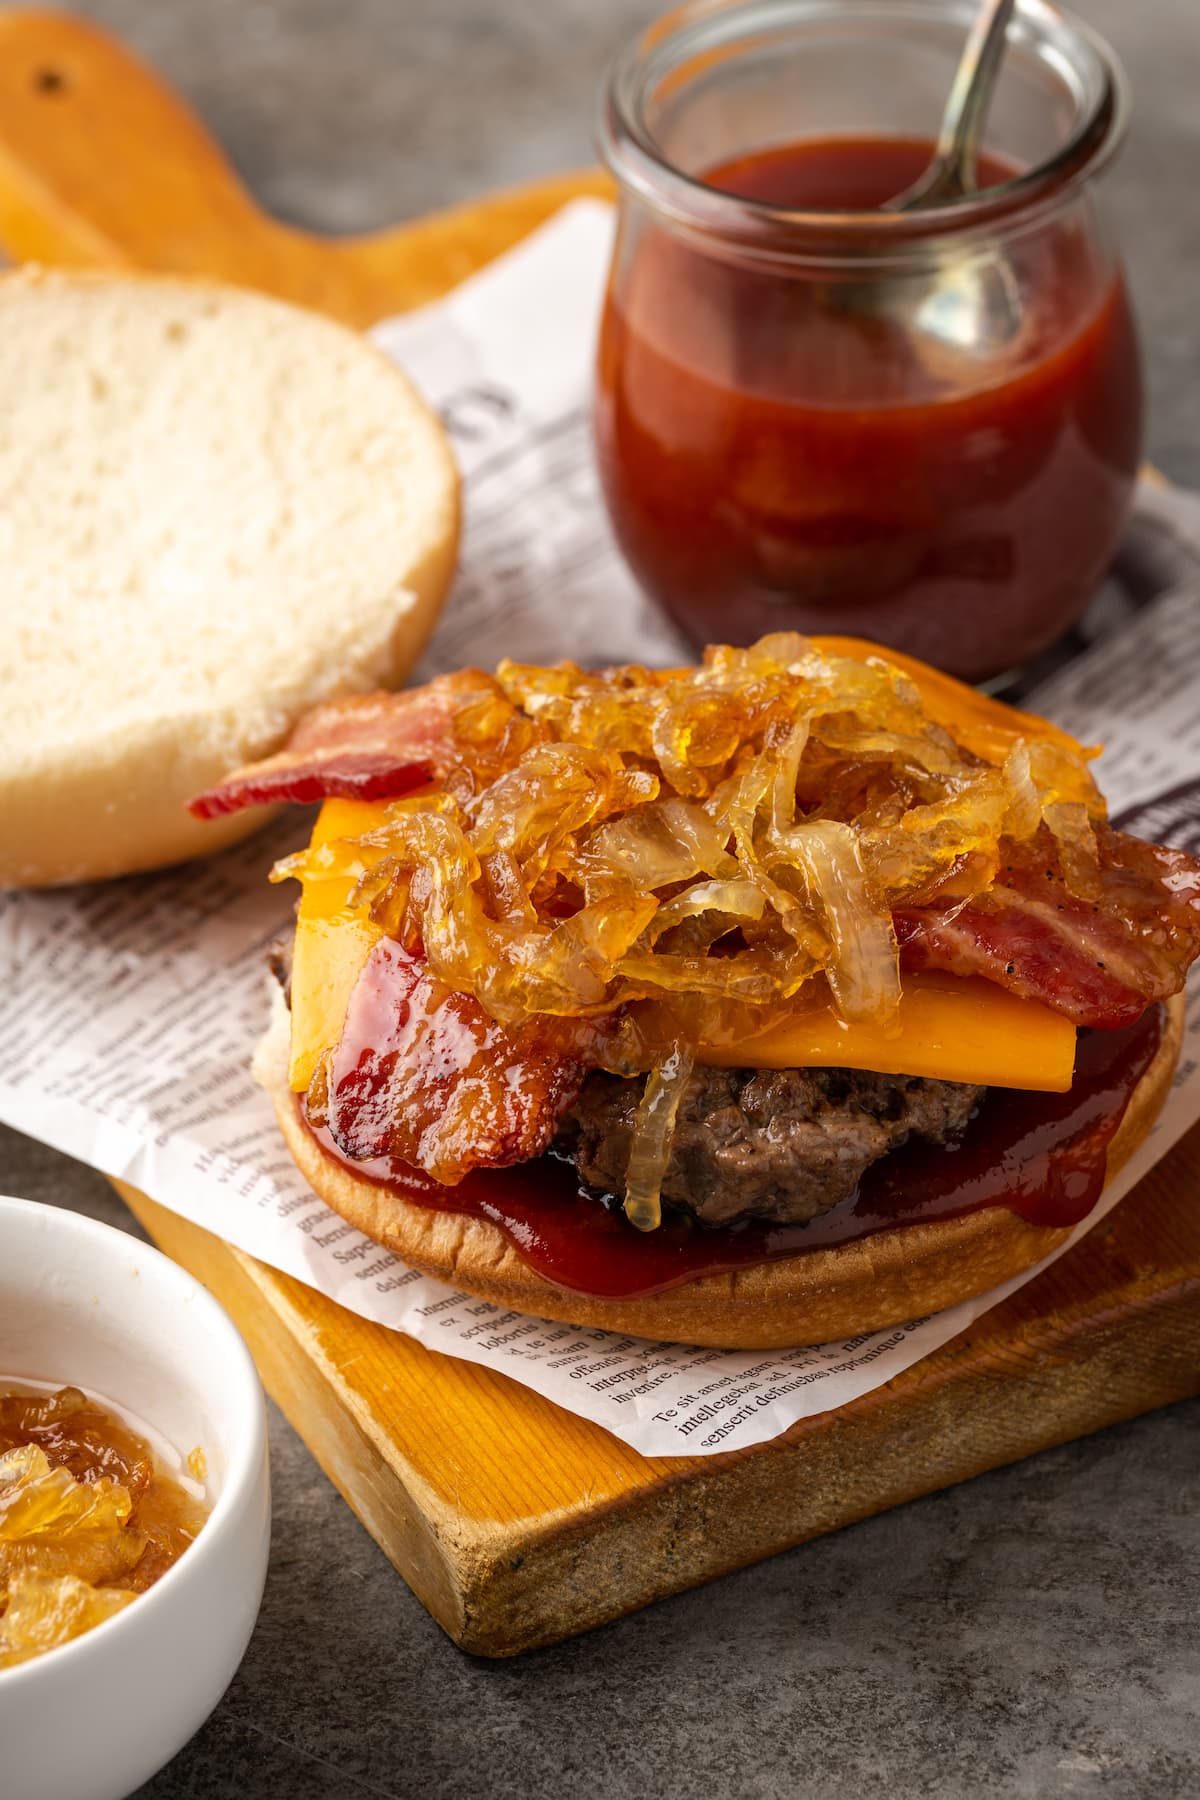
1041, 1155
780, 450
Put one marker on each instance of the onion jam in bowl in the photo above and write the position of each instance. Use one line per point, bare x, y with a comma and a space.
169, 1384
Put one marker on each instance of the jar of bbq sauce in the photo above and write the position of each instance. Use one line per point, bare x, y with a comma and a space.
819, 414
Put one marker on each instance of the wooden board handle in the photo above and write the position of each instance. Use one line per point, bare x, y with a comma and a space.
101, 162
102, 166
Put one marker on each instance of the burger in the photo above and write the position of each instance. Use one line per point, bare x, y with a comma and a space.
770, 1001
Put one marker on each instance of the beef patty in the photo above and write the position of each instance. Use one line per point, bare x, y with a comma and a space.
782, 1144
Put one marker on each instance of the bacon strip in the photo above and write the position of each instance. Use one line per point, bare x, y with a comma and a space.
1099, 963
423, 1074
367, 747
341, 775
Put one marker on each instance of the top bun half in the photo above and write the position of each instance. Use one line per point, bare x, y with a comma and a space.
215, 511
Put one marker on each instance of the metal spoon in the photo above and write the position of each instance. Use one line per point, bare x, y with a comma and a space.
967, 302
964, 301
951, 174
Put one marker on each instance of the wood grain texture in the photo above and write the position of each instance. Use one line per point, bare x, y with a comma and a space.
101, 166
516, 1523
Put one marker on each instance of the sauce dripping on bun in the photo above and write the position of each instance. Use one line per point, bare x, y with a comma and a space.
1040, 1155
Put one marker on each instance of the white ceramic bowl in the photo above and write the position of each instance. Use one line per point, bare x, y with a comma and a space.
82, 1305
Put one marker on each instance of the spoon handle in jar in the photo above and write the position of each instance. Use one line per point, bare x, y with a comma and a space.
952, 171
971, 95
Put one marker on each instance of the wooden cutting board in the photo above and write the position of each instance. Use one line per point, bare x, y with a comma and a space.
515, 1523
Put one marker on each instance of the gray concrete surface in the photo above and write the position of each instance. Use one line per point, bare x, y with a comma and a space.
1033, 1633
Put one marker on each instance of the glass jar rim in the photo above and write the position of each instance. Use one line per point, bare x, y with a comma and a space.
701, 29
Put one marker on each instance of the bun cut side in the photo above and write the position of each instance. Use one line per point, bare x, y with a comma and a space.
218, 510
822, 1295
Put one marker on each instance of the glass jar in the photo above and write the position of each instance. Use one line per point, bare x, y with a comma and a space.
814, 413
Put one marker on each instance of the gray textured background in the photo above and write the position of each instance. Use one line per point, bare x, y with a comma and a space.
1033, 1633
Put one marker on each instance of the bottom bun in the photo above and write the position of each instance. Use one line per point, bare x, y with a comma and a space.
814, 1297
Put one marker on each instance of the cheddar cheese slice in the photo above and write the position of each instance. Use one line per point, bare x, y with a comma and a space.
946, 1027
333, 942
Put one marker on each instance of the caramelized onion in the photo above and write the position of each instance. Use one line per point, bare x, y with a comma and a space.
653, 1131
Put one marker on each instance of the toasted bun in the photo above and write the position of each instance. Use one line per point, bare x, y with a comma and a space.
885, 1279
217, 510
